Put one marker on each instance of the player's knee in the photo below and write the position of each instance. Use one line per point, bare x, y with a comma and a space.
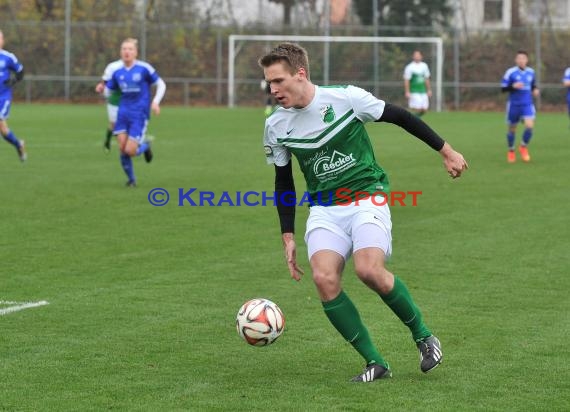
129, 150
326, 281
374, 275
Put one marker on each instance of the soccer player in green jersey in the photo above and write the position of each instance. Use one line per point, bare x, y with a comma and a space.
323, 127
417, 86
112, 101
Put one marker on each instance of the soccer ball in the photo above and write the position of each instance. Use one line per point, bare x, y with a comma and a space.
260, 322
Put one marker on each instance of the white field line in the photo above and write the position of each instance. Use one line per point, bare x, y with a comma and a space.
20, 306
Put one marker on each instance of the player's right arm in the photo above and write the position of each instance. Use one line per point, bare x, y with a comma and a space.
280, 157
507, 84
284, 188
18, 69
407, 77
566, 78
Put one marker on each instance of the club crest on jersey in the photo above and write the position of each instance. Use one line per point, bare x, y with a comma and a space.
136, 77
327, 113
2, 64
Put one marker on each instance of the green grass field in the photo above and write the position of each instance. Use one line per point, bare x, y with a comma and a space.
142, 299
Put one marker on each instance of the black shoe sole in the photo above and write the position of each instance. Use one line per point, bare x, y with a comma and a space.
148, 155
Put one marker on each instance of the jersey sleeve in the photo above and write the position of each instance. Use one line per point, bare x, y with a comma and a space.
275, 153
408, 72
112, 82
107, 73
366, 106
566, 74
152, 75
15, 65
427, 73
506, 81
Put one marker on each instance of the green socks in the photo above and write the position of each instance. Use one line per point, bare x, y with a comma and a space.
345, 318
402, 304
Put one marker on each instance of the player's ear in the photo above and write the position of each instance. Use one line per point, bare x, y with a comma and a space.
302, 72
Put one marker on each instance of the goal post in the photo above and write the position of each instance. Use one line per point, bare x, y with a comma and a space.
237, 41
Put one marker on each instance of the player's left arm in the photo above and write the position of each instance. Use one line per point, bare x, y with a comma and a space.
18, 70
453, 161
158, 95
428, 81
534, 88
19, 76
428, 86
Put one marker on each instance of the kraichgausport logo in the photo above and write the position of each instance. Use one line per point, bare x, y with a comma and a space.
339, 197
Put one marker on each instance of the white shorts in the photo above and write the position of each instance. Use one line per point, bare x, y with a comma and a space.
418, 101
112, 111
346, 229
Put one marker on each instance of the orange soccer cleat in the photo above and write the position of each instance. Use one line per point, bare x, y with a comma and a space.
511, 156
523, 150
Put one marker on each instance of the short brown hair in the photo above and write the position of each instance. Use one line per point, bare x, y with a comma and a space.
292, 55
132, 40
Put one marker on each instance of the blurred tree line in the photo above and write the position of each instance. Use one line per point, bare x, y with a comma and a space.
183, 39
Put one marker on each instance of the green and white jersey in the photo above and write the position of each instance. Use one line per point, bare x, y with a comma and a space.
330, 142
115, 96
417, 73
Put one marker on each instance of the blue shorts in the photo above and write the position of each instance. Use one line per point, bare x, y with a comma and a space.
5, 105
518, 112
133, 124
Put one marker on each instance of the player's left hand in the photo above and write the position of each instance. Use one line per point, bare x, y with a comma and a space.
453, 161
155, 107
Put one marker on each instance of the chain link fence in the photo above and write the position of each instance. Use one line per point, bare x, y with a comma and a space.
64, 55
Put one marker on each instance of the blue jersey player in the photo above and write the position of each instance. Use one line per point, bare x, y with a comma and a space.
566, 83
9, 64
520, 82
134, 79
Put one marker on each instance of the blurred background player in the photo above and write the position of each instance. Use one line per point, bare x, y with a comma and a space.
566, 83
112, 101
520, 82
9, 63
269, 102
134, 80
417, 86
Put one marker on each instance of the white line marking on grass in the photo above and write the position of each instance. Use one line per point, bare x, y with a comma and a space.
20, 306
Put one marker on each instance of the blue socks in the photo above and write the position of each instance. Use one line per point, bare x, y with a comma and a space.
527, 135
511, 140
142, 148
11, 138
127, 164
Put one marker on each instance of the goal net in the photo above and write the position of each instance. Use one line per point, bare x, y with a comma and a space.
375, 64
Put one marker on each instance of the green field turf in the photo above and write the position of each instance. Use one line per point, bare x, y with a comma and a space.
142, 299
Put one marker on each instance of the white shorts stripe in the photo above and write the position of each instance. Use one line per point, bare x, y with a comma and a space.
5, 109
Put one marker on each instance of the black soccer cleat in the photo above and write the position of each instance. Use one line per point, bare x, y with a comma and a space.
373, 372
148, 155
430, 353
107, 145
131, 183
